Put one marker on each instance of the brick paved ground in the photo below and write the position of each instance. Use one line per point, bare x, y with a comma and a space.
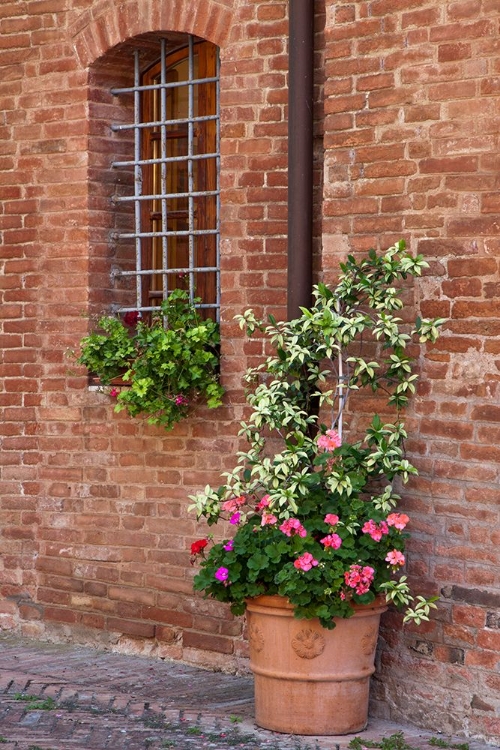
64, 697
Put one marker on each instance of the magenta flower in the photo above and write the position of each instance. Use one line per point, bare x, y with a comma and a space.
114, 392
331, 519
395, 557
235, 518
332, 540
293, 526
229, 546
305, 562
181, 401
222, 574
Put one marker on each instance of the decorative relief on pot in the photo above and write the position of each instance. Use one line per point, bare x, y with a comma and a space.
308, 644
369, 641
256, 637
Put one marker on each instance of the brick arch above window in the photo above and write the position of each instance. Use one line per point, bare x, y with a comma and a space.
99, 30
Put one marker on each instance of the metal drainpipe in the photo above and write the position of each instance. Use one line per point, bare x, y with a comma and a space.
300, 154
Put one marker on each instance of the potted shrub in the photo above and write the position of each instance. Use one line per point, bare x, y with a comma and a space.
317, 543
159, 366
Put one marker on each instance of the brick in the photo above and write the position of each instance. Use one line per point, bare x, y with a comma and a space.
488, 413
463, 288
475, 309
474, 227
472, 596
460, 31
488, 640
472, 267
168, 617
208, 642
450, 164
129, 627
455, 51
57, 614
447, 654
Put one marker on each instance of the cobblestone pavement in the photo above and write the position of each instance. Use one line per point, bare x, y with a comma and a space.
65, 697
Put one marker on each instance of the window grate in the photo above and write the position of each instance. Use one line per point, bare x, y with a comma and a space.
176, 166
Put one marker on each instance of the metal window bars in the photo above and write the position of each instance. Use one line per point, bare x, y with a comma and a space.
162, 195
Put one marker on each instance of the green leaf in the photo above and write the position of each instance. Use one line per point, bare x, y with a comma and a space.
169, 362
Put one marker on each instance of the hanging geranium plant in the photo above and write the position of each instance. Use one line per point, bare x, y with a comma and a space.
165, 364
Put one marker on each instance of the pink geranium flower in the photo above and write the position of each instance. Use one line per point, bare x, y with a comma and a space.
359, 578
231, 506
305, 562
263, 503
332, 540
235, 518
229, 546
376, 531
293, 526
330, 440
268, 519
331, 519
395, 558
398, 520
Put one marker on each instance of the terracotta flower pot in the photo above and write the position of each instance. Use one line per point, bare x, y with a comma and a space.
309, 680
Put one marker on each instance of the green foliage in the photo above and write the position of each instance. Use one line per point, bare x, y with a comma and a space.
166, 364
35, 703
440, 742
396, 741
297, 468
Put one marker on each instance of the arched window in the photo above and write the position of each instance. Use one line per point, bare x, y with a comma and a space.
175, 185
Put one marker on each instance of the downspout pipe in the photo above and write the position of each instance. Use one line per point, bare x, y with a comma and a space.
300, 155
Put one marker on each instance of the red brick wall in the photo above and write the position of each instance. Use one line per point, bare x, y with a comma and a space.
411, 150
94, 527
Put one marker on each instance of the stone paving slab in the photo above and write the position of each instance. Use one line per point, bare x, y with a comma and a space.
65, 697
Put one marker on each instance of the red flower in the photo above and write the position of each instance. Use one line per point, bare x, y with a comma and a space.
198, 546
130, 318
